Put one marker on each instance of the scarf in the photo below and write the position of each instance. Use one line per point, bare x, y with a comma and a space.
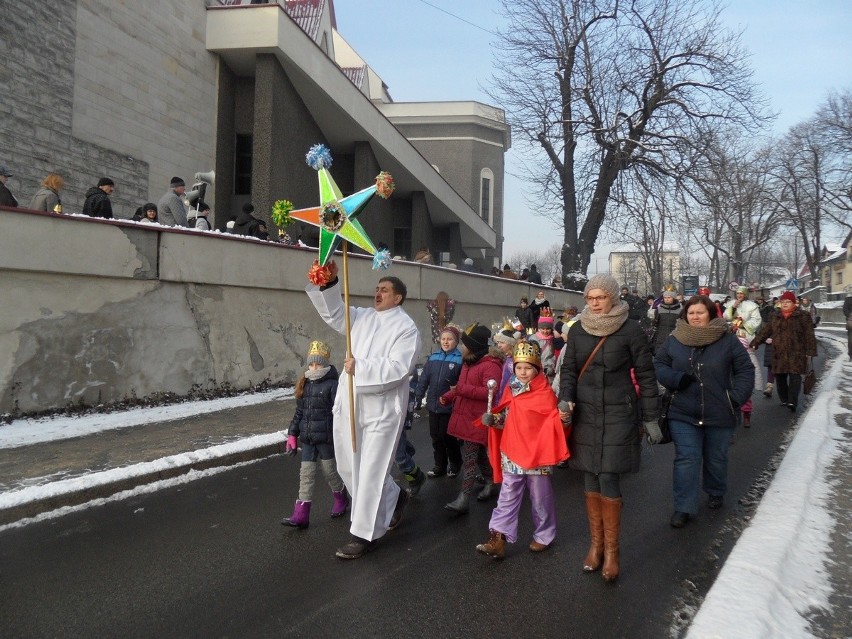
690, 335
316, 374
606, 323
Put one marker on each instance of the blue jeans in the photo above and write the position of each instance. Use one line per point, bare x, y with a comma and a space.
405, 455
310, 452
694, 445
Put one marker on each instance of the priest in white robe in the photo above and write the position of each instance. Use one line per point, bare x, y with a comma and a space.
385, 347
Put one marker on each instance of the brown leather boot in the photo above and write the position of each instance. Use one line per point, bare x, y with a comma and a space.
593, 560
611, 512
495, 546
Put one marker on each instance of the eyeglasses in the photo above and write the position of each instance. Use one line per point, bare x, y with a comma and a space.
597, 298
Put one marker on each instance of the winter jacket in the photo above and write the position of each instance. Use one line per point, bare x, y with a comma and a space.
312, 421
748, 313
6, 197
46, 199
440, 371
470, 397
170, 210
664, 319
247, 224
97, 203
526, 316
537, 306
534, 277
607, 415
724, 380
793, 341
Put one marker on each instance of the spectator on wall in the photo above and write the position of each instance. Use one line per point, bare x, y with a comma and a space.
6, 197
97, 202
47, 197
170, 209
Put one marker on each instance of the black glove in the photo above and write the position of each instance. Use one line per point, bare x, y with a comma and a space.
685, 381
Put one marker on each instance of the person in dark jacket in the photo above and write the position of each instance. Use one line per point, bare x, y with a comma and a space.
847, 313
312, 426
664, 317
440, 373
534, 276
711, 376
6, 197
793, 342
526, 316
246, 223
97, 202
602, 402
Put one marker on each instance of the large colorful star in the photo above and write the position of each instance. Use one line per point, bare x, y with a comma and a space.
336, 217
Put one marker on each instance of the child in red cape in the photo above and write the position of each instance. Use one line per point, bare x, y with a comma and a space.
523, 452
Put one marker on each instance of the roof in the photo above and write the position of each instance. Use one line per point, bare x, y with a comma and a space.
307, 14
355, 74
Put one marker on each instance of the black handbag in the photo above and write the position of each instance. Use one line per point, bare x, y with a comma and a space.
663, 421
810, 379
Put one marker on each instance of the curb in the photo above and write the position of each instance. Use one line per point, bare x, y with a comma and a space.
109, 487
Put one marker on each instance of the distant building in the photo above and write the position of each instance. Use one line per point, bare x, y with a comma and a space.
630, 268
244, 90
835, 268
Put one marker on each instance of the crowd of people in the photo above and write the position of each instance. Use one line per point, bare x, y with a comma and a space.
173, 208
507, 407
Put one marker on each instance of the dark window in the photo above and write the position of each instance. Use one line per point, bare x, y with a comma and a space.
402, 242
486, 199
242, 165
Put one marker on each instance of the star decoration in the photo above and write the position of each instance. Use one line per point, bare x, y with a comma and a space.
336, 217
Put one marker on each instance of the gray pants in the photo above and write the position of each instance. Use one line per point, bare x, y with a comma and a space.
307, 474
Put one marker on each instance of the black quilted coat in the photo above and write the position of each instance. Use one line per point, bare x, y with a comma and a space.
606, 434
313, 418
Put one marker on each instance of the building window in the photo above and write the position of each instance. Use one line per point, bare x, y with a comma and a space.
486, 196
242, 164
402, 242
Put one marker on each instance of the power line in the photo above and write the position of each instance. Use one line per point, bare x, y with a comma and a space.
453, 15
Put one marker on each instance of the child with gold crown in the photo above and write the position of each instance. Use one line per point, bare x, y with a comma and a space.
526, 439
312, 426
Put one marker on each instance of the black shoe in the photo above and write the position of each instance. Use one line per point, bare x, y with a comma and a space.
415, 481
401, 501
714, 502
437, 471
792, 407
355, 549
679, 519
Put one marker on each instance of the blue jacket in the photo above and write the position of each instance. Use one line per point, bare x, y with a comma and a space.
439, 373
313, 417
725, 380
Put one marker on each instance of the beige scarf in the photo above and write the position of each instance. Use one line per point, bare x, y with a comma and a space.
605, 323
690, 335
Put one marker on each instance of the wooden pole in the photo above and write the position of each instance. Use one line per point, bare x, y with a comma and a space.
348, 341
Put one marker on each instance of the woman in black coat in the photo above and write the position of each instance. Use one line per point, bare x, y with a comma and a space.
711, 376
605, 441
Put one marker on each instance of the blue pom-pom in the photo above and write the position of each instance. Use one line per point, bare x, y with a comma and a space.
318, 157
382, 260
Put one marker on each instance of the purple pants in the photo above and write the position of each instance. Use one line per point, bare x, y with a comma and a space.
504, 519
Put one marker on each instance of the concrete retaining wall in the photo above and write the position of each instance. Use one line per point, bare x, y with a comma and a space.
95, 311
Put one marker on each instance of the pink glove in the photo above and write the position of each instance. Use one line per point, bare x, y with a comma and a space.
292, 445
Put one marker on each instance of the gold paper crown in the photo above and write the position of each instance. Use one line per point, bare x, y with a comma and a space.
527, 352
319, 348
507, 326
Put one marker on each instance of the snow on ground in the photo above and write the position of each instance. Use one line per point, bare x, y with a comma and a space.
23, 432
776, 575
33, 493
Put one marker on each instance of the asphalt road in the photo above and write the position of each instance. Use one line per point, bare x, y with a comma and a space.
210, 559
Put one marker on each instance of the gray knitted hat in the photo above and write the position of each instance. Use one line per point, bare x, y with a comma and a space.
605, 283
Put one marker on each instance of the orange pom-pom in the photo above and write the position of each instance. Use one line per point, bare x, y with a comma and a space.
319, 275
384, 185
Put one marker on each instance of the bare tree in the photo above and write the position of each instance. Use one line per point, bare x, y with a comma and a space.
833, 124
598, 88
546, 262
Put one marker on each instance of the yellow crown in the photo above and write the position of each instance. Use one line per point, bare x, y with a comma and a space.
507, 326
527, 352
319, 348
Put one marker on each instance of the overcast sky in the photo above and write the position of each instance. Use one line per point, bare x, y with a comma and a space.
800, 51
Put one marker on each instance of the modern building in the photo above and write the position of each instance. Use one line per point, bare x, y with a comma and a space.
144, 91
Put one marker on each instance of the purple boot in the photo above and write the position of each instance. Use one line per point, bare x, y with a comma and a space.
301, 515
341, 502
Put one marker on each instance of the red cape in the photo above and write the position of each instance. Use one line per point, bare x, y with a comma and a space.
533, 435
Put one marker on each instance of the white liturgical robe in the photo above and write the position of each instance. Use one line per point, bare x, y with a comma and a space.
385, 345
